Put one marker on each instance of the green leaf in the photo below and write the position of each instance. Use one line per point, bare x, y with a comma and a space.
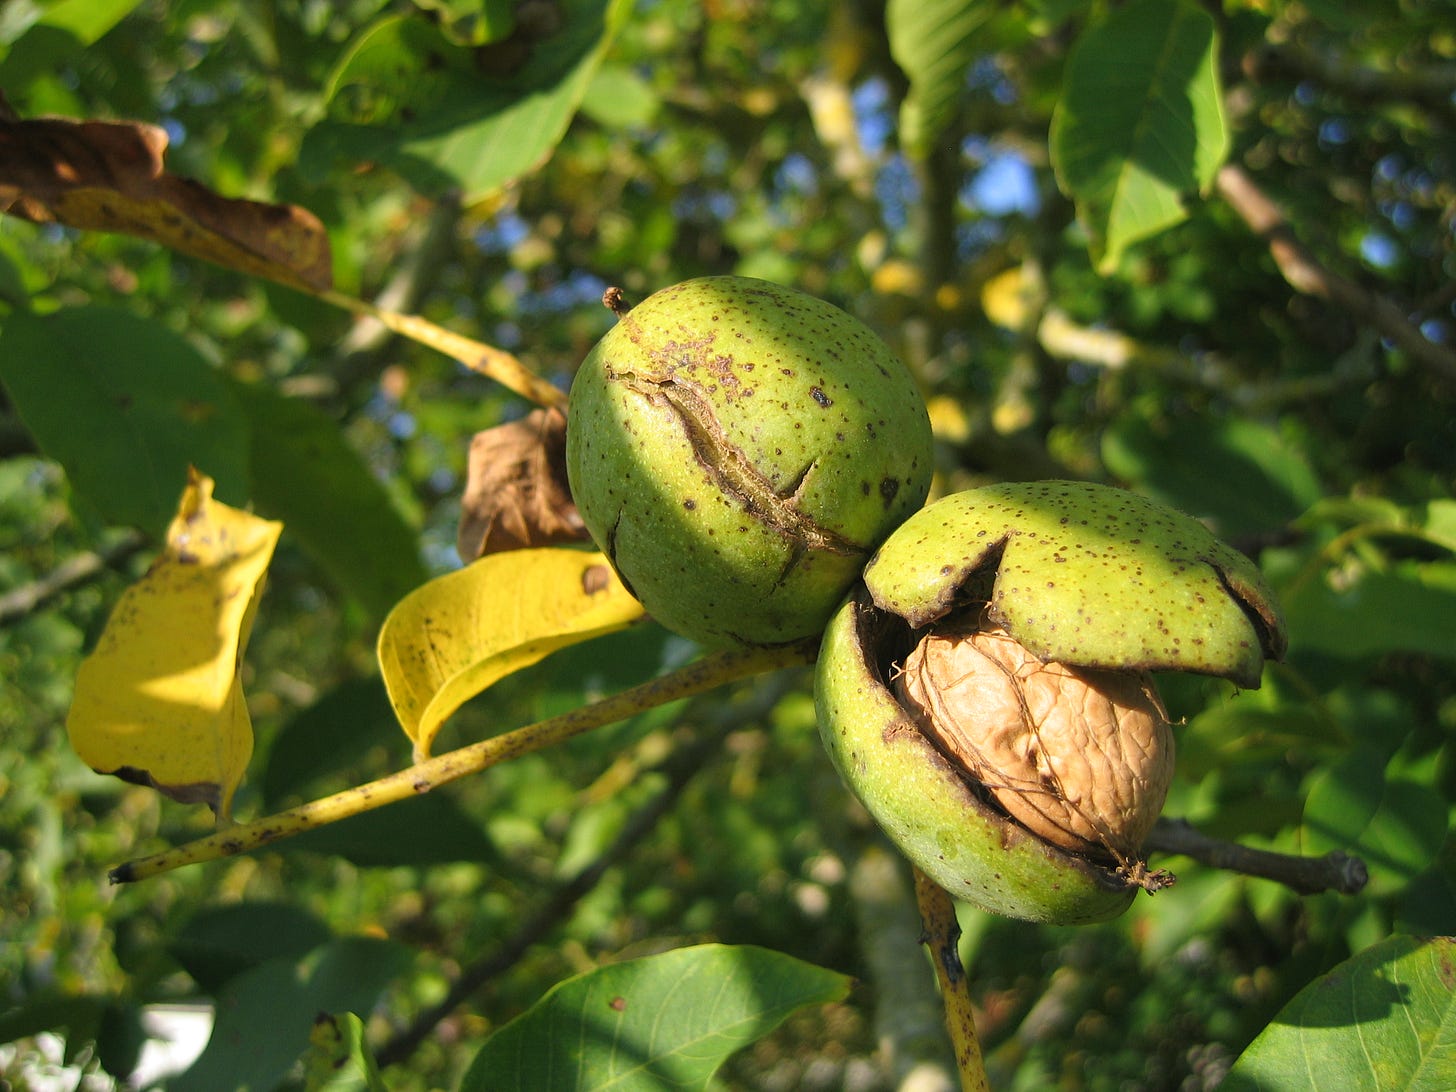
1384, 1020
933, 42
1140, 122
1361, 613
426, 830
406, 97
305, 474
618, 98
1396, 825
59, 32
665, 1021
219, 943
1242, 477
318, 742
126, 406
265, 1016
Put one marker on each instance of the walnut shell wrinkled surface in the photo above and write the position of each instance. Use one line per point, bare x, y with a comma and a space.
1081, 758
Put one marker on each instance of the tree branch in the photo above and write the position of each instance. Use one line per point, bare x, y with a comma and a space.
708, 673
1429, 88
71, 573
1307, 875
1305, 274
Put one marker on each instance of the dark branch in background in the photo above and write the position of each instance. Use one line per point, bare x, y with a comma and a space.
71, 573
1429, 88
680, 767
1305, 274
1336, 871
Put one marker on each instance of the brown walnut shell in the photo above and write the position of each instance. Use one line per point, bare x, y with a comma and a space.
1082, 758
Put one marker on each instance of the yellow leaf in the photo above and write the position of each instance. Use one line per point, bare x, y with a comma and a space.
450, 639
159, 701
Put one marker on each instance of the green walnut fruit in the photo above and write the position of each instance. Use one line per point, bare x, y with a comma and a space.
738, 449
985, 691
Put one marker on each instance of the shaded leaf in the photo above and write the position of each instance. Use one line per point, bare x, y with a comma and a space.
933, 42
305, 473
53, 34
452, 638
344, 724
1355, 614
109, 176
160, 702
1242, 477
426, 830
1384, 1020
664, 1021
265, 1016
516, 492
447, 117
1140, 122
221, 942
126, 406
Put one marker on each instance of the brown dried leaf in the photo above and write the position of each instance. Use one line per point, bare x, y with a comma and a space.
108, 176
1080, 757
516, 493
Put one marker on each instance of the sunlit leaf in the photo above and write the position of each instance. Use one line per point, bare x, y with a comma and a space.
1140, 124
126, 406
1384, 1020
159, 701
450, 639
448, 117
665, 1021
108, 176
1397, 826
933, 42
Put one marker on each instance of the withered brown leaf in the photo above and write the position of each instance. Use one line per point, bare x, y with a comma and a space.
516, 493
109, 176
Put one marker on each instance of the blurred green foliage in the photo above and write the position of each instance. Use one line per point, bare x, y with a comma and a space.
756, 137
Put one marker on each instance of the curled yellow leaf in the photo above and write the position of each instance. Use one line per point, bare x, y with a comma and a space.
159, 701
448, 640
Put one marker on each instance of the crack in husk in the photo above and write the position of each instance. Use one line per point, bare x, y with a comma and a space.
735, 476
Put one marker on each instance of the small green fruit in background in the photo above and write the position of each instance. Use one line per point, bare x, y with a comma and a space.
739, 449
985, 691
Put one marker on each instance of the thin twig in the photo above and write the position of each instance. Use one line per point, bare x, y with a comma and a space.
703, 675
489, 361
1306, 274
71, 573
680, 767
942, 936
1307, 875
